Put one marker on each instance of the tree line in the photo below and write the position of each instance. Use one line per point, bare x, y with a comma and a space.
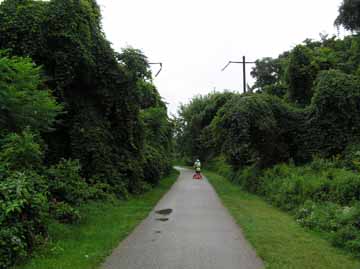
78, 120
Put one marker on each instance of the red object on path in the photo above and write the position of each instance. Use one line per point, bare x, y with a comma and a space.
197, 176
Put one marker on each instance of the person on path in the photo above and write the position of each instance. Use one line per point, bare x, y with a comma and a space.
197, 167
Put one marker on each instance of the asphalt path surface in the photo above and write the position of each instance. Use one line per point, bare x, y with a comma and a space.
188, 229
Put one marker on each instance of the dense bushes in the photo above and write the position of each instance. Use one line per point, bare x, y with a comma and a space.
334, 119
23, 214
30, 193
23, 197
256, 128
21, 152
158, 134
193, 132
66, 184
342, 223
322, 195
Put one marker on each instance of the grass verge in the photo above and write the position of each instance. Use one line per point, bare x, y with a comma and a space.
277, 238
103, 226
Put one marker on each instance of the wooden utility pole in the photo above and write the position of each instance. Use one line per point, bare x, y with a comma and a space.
244, 63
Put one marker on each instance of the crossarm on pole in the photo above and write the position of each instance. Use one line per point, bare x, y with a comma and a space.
161, 66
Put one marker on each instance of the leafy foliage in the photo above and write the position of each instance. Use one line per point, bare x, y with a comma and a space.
194, 137
266, 72
349, 15
158, 137
24, 101
99, 93
20, 152
301, 73
23, 214
259, 129
322, 195
66, 184
341, 222
334, 114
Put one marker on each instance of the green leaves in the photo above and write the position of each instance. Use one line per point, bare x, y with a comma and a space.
194, 137
20, 152
334, 118
24, 102
252, 129
136, 63
23, 214
301, 73
349, 15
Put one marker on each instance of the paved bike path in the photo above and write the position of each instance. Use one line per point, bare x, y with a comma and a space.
188, 229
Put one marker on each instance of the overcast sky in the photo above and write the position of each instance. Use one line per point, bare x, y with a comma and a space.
195, 38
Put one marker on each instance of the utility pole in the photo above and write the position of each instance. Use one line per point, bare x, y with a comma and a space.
161, 66
244, 63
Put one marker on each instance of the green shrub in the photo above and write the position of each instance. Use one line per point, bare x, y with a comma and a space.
100, 191
257, 129
245, 125
334, 115
345, 188
352, 156
220, 166
153, 166
66, 184
20, 152
348, 237
322, 217
23, 215
278, 90
64, 212
12, 246
193, 135
156, 165
249, 178
322, 195
342, 223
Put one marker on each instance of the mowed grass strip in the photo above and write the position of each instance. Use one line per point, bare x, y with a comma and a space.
104, 225
277, 238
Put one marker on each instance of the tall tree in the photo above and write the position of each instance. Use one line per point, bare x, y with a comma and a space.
102, 127
349, 15
301, 73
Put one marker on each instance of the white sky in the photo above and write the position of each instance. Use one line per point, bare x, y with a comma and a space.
195, 38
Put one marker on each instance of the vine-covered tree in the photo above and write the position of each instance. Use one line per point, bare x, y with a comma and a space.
102, 127
301, 73
349, 15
